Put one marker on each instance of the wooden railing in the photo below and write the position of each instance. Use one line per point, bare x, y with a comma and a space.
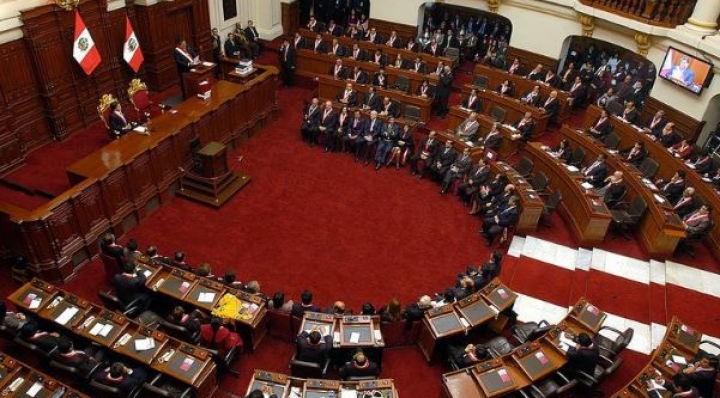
669, 13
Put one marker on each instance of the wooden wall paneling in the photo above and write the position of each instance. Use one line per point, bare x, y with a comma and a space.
529, 59
241, 117
116, 199
91, 217
383, 27
290, 17
152, 29
165, 164
684, 124
66, 239
142, 181
11, 154
37, 239
204, 128
222, 123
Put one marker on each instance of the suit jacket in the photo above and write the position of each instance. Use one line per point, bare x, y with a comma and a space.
657, 129
373, 102
377, 39
338, 51
419, 68
358, 54
252, 33
127, 287
508, 216
468, 129
636, 158
430, 148
552, 108
669, 140
230, 48
673, 190
445, 156
373, 129
535, 100
603, 128
351, 98
339, 75
613, 193
183, 63
437, 52
597, 175
356, 128
583, 359
378, 82
298, 309
312, 119
474, 106
462, 163
360, 77
526, 129
342, 124
334, 30
380, 59
350, 369
117, 123
696, 224
631, 117
478, 176
429, 90
301, 43
389, 132
391, 108
553, 81
125, 383
536, 76
318, 47
414, 47
685, 206
414, 312
396, 43
328, 121
492, 141
289, 60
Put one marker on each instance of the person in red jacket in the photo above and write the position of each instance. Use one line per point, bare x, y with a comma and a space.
215, 336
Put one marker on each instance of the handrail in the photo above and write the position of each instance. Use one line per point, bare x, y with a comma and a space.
667, 13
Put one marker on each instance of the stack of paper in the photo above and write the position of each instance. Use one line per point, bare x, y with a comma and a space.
34, 389
101, 329
144, 344
208, 297
354, 337
66, 315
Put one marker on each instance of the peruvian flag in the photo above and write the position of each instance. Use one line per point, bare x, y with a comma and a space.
84, 50
131, 50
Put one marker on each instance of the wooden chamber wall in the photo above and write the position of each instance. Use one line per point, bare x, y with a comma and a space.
45, 95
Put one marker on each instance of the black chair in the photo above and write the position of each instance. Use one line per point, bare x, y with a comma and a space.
499, 346
413, 114
648, 168
72, 370
687, 245
498, 114
524, 167
454, 53
540, 182
611, 140
7, 332
160, 387
402, 83
308, 370
43, 356
704, 353
180, 332
481, 81
626, 217
550, 205
578, 157
612, 203
112, 302
611, 347
113, 392
224, 361
555, 385
604, 368
529, 331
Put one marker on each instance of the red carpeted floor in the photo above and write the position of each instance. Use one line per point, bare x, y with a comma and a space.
318, 221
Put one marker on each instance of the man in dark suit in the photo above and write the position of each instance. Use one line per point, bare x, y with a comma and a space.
348, 96
596, 172
84, 361
656, 124
394, 41
532, 97
551, 107
305, 305
121, 377
358, 76
360, 366
380, 79
319, 46
525, 126
119, 124
313, 347
697, 222
479, 175
231, 48
388, 136
217, 49
507, 216
287, 57
369, 137
336, 49
673, 189
185, 58
702, 374
130, 286
389, 108
357, 53
416, 311
602, 126
536, 74
584, 356
356, 126
443, 160
425, 90
492, 139
379, 58
433, 48
372, 36
328, 123
472, 102
442, 92
613, 190
373, 101
43, 340
333, 29
253, 37
311, 121
418, 65
551, 79
337, 71
412, 45
577, 93
298, 41
459, 168
686, 204
630, 114
426, 154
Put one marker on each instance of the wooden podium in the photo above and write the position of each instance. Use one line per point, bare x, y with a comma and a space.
198, 74
211, 181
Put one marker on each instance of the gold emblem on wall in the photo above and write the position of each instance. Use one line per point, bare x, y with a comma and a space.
588, 24
67, 5
493, 5
643, 41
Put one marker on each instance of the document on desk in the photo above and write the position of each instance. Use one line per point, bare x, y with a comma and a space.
679, 359
66, 315
572, 168
147, 273
140, 129
294, 392
348, 394
106, 330
206, 297
96, 329
354, 337
36, 388
586, 185
659, 198
35, 303
145, 344
378, 335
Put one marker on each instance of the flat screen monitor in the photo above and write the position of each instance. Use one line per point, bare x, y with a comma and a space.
686, 71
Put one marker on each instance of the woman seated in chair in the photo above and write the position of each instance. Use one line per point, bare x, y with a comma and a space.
189, 321
121, 377
468, 355
217, 337
119, 124
392, 312
402, 148
562, 151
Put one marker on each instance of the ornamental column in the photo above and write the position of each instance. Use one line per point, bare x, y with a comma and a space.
267, 17
704, 16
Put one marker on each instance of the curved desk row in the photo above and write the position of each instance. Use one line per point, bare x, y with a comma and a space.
189, 365
20, 380
286, 386
588, 215
508, 145
660, 229
669, 164
515, 110
528, 363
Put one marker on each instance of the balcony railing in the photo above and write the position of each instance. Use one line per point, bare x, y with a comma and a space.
667, 13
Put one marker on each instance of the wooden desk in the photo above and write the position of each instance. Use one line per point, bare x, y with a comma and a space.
20, 380
660, 229
439, 323
269, 382
514, 108
668, 166
315, 388
280, 384
323, 323
589, 217
523, 85
190, 365
508, 145
192, 79
329, 87
499, 295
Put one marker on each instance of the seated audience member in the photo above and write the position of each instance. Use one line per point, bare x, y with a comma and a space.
336, 49
532, 97
372, 100
380, 78
428, 149
328, 125
389, 108
205, 270
425, 90
703, 164
505, 88
495, 224
179, 261
492, 139
492, 268
348, 96
82, 360
469, 355
551, 106
130, 285
478, 176
311, 122
217, 337
44, 340
278, 303
358, 75
487, 192
360, 366
525, 127
319, 45
443, 160
388, 136
357, 53
121, 377
11, 320
537, 73
378, 58
466, 288
152, 253
252, 287
577, 93
472, 102
338, 71
367, 309
682, 149
369, 137
416, 311
698, 222
229, 279
602, 126
597, 171
191, 321
562, 151
606, 98
313, 347
672, 189
468, 129
262, 393
551, 79
131, 252
636, 154
514, 68
630, 114
702, 374
118, 123
457, 171
686, 204
668, 137
683, 387
403, 148
392, 312
418, 66
110, 247
353, 131
338, 308
306, 305
613, 190
656, 125
584, 356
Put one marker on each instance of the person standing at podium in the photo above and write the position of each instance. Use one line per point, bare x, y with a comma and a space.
185, 58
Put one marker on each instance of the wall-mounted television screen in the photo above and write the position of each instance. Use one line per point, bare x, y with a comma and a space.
686, 71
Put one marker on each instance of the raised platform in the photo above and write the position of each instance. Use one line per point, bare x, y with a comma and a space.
215, 194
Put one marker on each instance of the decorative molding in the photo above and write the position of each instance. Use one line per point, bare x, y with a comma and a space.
644, 42
493, 5
67, 5
588, 24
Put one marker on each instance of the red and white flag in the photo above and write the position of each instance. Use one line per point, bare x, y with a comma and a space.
84, 50
131, 50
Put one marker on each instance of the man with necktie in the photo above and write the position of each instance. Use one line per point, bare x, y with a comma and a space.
459, 168
426, 154
287, 58
496, 224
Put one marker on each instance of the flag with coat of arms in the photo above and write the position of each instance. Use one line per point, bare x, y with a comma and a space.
132, 54
85, 51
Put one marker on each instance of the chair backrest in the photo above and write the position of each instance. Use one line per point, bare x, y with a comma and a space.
623, 340
279, 325
305, 369
637, 207
498, 113
481, 81
554, 200
649, 167
524, 166
614, 107
394, 333
578, 156
612, 140
540, 181
103, 108
402, 83
412, 112
454, 53
139, 95
111, 266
